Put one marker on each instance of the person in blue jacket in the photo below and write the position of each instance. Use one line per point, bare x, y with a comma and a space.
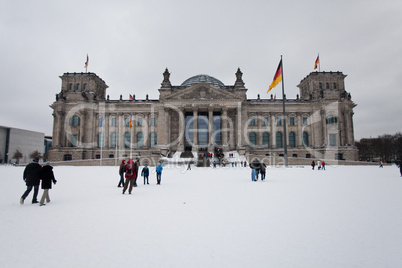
159, 169
145, 173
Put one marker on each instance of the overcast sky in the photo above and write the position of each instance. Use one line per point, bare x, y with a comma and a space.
130, 43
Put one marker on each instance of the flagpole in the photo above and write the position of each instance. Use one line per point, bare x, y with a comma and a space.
115, 154
131, 138
284, 118
319, 63
102, 142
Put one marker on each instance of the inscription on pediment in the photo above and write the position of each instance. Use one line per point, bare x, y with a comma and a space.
203, 93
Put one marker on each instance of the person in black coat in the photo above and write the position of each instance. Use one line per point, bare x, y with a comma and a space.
31, 177
47, 177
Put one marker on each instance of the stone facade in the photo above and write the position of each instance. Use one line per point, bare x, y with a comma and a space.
201, 115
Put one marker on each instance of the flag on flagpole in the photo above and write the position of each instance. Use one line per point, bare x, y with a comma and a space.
275, 97
277, 77
317, 61
131, 97
131, 122
87, 62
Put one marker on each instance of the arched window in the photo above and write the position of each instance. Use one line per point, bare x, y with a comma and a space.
305, 139
75, 120
153, 140
85, 86
253, 139
292, 139
126, 121
77, 86
331, 120
279, 140
113, 140
265, 139
70, 86
127, 140
140, 140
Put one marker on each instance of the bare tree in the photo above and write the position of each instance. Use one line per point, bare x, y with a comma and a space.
35, 154
17, 155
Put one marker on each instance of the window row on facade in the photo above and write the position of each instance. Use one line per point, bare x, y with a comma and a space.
138, 142
265, 121
76, 121
77, 86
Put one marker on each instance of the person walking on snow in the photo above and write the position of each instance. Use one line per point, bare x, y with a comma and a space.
313, 164
47, 178
262, 168
130, 176
253, 174
159, 169
121, 173
145, 173
31, 177
323, 165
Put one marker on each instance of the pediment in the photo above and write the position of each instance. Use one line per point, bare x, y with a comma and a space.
202, 91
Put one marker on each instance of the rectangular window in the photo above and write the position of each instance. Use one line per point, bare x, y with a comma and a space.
140, 122
304, 121
153, 122
73, 140
252, 121
292, 121
127, 122
332, 139
279, 121
114, 121
266, 122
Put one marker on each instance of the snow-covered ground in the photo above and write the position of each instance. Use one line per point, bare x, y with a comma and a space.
342, 217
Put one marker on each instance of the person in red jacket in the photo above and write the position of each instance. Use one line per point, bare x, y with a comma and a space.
131, 175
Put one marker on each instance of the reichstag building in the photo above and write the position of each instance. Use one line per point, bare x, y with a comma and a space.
202, 115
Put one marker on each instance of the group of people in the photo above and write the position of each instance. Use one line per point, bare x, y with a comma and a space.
130, 172
320, 165
257, 168
34, 173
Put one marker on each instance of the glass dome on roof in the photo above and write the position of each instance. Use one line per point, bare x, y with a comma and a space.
202, 78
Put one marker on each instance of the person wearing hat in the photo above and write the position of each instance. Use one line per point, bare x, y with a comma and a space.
121, 173
47, 178
31, 177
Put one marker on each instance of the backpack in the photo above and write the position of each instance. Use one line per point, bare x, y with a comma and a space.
129, 170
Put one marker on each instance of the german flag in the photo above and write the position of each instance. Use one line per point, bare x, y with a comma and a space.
131, 122
277, 77
317, 61
131, 97
87, 62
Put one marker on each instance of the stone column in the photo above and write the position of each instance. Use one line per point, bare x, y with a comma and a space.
323, 138
56, 128
259, 132
224, 132
273, 131
106, 131
182, 128
299, 134
145, 131
195, 130
120, 133
210, 128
